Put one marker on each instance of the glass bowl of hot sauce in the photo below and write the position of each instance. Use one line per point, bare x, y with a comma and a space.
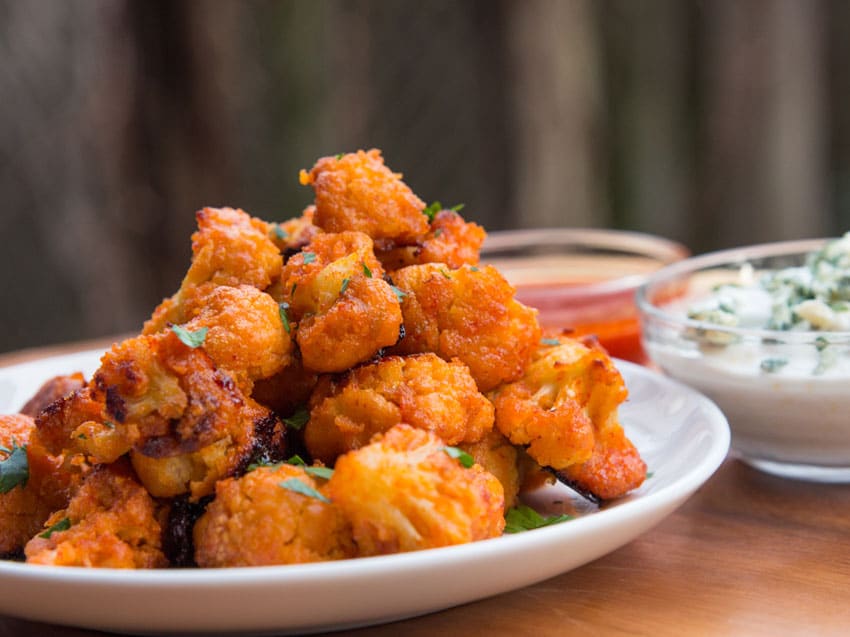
583, 281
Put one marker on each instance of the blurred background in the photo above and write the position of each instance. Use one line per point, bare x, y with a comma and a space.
714, 123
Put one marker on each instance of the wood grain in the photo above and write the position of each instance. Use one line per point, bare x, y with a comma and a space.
748, 554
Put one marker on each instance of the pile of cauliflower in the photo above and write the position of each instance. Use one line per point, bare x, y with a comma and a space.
347, 383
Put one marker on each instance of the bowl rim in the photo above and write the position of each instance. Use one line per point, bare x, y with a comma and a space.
664, 251
739, 255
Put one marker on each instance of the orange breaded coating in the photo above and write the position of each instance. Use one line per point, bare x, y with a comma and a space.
421, 390
110, 522
344, 310
194, 424
358, 192
51, 391
26, 505
565, 409
293, 234
229, 248
245, 334
254, 521
450, 240
498, 456
403, 492
470, 314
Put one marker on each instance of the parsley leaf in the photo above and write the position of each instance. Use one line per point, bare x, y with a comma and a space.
62, 525
772, 365
298, 419
457, 207
279, 232
284, 317
464, 458
524, 518
367, 271
15, 469
431, 211
190, 339
551, 342
344, 285
297, 460
320, 472
445, 274
294, 484
398, 293
309, 257
338, 156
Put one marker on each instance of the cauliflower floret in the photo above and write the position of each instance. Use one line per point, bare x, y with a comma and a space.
44, 487
564, 409
245, 337
110, 522
194, 424
256, 521
345, 312
51, 391
358, 192
403, 492
421, 390
229, 248
469, 314
498, 456
450, 240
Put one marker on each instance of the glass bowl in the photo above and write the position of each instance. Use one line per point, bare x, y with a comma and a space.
583, 281
785, 393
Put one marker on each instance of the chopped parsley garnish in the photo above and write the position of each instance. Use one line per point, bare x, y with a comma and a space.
344, 286
309, 257
284, 318
190, 339
457, 207
464, 458
524, 518
473, 268
438, 232
298, 419
772, 365
297, 460
324, 473
398, 293
551, 342
108, 425
296, 485
367, 271
15, 469
445, 273
431, 211
339, 156
62, 525
279, 232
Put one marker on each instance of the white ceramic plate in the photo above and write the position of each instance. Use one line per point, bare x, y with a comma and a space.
682, 436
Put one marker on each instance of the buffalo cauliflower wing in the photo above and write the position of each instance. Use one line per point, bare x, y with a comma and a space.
262, 519
111, 521
356, 191
404, 492
421, 390
470, 314
37, 487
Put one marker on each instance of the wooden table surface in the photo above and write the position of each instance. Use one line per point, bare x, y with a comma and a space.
748, 554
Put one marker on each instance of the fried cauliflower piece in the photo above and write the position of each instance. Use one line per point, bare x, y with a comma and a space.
470, 314
245, 335
293, 234
564, 410
25, 505
194, 424
51, 391
111, 521
358, 192
421, 390
450, 240
403, 492
229, 248
255, 521
498, 456
345, 311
